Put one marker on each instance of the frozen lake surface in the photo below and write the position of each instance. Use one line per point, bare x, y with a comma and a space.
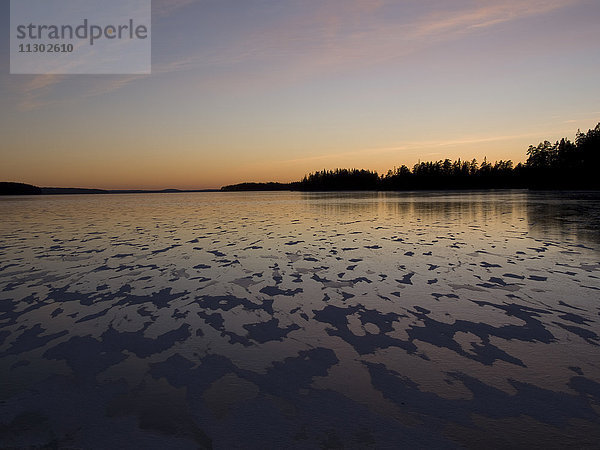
300, 320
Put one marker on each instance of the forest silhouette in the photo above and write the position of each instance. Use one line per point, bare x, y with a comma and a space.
562, 165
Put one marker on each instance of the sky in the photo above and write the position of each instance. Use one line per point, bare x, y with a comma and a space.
270, 90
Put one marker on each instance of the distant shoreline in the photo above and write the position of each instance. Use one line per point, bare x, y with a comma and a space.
72, 191
9, 188
564, 165
227, 189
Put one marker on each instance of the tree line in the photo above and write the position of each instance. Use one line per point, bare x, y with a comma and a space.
9, 188
562, 165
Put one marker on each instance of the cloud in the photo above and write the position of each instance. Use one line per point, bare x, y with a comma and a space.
33, 90
483, 14
416, 146
337, 36
332, 36
105, 85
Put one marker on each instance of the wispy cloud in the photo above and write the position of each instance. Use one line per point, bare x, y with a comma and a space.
107, 85
483, 14
421, 146
33, 90
334, 35
342, 35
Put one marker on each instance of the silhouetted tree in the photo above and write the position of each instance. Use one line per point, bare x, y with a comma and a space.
563, 164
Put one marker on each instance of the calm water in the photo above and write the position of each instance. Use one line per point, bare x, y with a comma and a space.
291, 320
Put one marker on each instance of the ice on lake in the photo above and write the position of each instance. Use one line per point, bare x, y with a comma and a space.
300, 320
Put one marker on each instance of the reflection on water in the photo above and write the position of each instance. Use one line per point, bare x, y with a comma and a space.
303, 320
570, 216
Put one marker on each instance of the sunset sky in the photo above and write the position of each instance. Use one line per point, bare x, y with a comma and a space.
259, 90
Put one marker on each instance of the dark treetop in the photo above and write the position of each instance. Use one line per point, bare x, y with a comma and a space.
562, 165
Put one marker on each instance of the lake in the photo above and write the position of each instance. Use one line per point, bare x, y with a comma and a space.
300, 320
